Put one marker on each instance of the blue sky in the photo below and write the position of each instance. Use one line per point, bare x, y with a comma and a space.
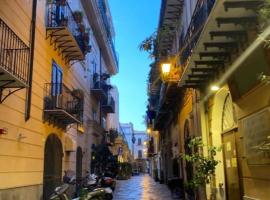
133, 20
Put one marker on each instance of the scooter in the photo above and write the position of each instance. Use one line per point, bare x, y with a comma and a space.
60, 193
93, 183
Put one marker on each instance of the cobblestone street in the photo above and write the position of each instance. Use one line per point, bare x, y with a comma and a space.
141, 187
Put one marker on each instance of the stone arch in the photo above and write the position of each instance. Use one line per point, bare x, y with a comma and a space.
53, 154
221, 99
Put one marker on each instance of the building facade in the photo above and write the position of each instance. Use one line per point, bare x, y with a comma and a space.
56, 60
213, 91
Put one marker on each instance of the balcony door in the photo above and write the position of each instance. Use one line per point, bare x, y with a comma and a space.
57, 76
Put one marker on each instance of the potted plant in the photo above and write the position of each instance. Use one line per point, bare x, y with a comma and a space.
78, 16
85, 37
81, 28
64, 21
61, 2
78, 93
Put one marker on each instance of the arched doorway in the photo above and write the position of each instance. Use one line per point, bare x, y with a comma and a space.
52, 165
79, 156
223, 128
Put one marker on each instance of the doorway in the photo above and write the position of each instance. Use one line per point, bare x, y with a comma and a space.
79, 156
231, 166
52, 165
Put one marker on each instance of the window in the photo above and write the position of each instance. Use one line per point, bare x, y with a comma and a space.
94, 115
139, 153
139, 141
228, 115
57, 75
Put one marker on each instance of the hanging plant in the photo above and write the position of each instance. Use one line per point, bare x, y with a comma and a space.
152, 43
204, 165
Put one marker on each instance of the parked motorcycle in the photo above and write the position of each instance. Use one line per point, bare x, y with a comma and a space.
96, 194
93, 183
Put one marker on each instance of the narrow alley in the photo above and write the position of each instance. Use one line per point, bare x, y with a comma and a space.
141, 187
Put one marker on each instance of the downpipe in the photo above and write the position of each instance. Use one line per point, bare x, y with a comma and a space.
31, 63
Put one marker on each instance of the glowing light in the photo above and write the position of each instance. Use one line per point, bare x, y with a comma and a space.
144, 142
215, 88
166, 68
148, 130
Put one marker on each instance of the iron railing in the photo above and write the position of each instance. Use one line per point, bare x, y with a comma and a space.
109, 102
59, 14
99, 84
196, 25
59, 97
14, 53
106, 23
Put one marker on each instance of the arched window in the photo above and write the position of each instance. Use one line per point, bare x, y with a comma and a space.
228, 116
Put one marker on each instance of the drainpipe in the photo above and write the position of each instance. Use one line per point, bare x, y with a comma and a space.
31, 64
100, 71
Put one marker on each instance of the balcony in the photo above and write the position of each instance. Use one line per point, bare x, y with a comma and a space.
219, 32
64, 32
108, 105
14, 61
99, 88
99, 18
108, 28
61, 108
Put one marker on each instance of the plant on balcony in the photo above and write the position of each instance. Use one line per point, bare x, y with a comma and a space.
152, 43
64, 22
78, 93
264, 78
81, 28
264, 18
78, 16
60, 2
204, 165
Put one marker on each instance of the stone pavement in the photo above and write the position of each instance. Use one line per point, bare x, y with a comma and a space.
141, 187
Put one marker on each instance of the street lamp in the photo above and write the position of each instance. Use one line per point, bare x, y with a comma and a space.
215, 88
148, 130
165, 68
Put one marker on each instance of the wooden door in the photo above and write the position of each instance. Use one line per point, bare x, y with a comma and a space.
231, 166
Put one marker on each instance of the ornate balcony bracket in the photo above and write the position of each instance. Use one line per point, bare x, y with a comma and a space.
14, 62
3, 97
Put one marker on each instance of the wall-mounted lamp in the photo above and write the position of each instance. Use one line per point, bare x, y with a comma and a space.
170, 69
214, 88
166, 68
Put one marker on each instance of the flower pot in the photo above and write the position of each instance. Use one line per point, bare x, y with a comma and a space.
64, 22
81, 28
78, 16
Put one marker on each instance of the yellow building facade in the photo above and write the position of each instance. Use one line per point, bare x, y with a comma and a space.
37, 151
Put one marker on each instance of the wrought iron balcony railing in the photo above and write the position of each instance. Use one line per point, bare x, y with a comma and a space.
65, 32
196, 25
99, 88
108, 105
107, 26
14, 59
60, 106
